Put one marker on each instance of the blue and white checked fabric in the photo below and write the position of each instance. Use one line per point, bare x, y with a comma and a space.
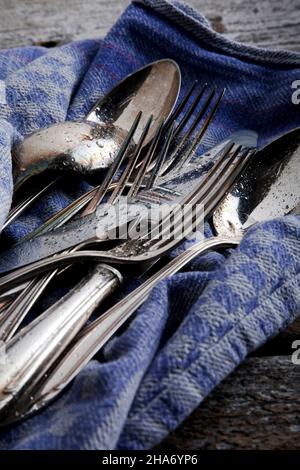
200, 324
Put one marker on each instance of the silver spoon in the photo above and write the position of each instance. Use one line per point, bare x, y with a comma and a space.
92, 144
268, 188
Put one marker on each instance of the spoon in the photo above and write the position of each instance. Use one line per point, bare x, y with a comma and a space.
268, 188
92, 144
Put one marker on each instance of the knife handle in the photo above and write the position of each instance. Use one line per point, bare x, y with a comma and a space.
43, 340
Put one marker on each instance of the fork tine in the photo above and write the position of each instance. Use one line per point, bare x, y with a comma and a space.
209, 178
181, 105
237, 166
14, 314
201, 112
198, 137
183, 151
64, 215
161, 158
101, 192
130, 165
189, 112
214, 182
219, 176
223, 181
183, 229
3, 306
208, 199
146, 162
176, 114
208, 181
197, 120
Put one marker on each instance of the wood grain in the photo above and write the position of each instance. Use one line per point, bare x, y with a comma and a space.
268, 23
257, 407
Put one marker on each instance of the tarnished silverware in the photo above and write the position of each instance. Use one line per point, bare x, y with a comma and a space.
12, 317
38, 345
230, 162
82, 231
269, 187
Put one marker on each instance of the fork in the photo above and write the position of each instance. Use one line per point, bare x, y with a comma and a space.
233, 167
211, 188
16, 312
35, 348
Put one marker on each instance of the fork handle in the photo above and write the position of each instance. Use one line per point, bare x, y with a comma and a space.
94, 336
42, 341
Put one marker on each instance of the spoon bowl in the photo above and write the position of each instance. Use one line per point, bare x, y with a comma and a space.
92, 144
82, 147
268, 188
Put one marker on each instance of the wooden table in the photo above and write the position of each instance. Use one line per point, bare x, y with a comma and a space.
258, 406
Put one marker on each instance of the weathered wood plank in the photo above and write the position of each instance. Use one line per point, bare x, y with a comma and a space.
257, 407
43, 21
268, 23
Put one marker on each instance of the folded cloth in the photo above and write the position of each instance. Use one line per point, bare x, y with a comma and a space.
197, 326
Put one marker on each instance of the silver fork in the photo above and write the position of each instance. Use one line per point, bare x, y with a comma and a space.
228, 165
16, 312
35, 348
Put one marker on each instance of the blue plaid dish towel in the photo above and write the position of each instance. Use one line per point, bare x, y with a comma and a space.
197, 326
